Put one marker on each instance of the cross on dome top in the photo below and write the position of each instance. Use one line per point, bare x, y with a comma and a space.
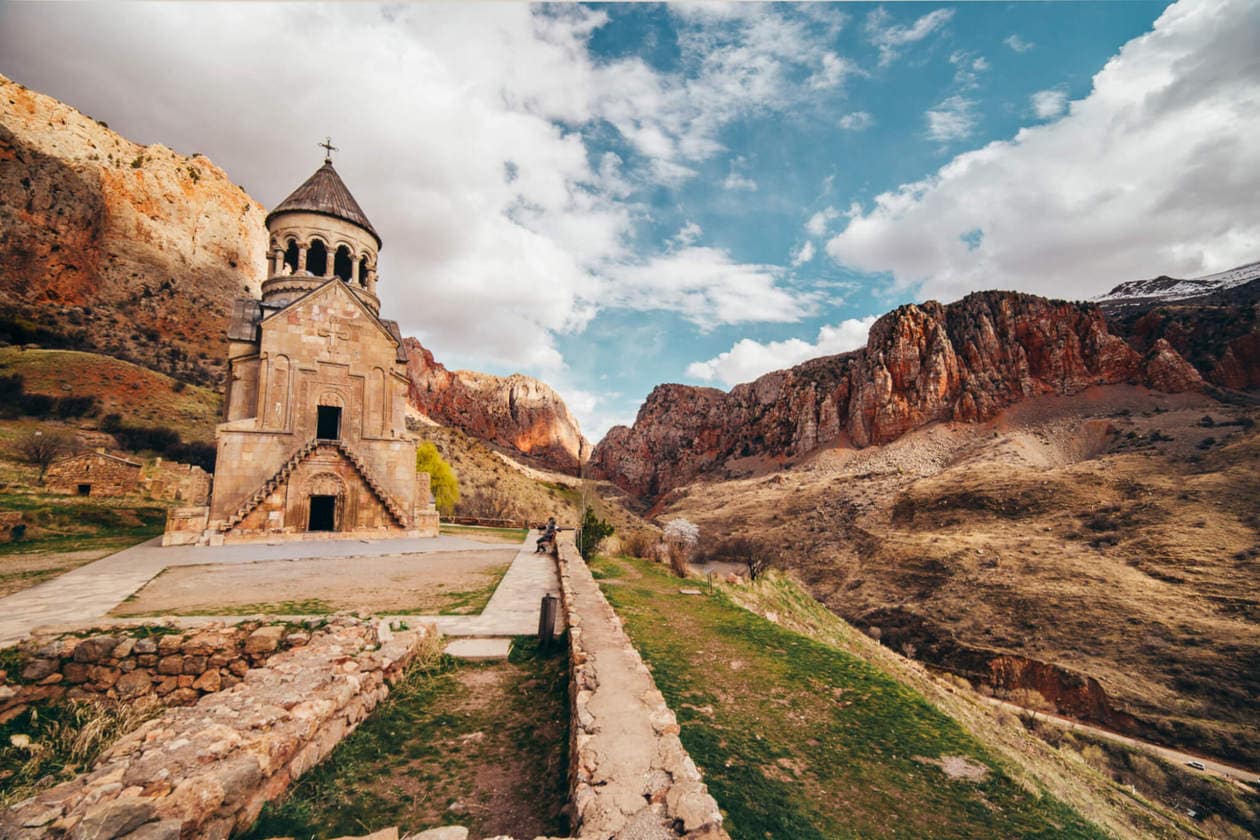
328, 148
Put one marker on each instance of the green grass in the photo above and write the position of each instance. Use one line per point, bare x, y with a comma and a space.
799, 739
64, 739
447, 731
512, 535
58, 523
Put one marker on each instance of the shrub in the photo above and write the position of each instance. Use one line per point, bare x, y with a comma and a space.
682, 537
1207, 443
37, 405
68, 407
194, 452
591, 533
111, 423
638, 543
442, 479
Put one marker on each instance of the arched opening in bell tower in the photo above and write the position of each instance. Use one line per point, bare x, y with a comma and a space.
317, 258
291, 255
343, 264
363, 272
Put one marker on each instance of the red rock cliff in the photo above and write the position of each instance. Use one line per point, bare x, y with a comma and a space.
135, 251
963, 361
515, 412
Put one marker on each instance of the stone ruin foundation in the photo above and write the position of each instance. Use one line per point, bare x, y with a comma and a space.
256, 705
205, 770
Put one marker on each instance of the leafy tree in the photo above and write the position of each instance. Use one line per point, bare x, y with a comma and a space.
42, 448
442, 478
591, 533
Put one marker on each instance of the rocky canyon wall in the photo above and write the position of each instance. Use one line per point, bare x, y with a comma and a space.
963, 361
514, 412
107, 245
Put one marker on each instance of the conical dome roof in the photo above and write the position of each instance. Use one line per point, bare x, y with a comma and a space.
324, 192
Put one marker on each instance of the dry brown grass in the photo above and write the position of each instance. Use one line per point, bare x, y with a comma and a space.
1061, 532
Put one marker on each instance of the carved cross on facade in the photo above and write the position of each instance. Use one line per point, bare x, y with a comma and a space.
334, 331
328, 148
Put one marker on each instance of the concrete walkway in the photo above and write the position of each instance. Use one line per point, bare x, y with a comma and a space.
514, 606
89, 592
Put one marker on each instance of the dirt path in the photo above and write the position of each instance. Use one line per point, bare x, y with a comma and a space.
1249, 778
450, 581
483, 746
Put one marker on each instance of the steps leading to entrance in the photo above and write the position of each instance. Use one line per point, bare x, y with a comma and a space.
479, 649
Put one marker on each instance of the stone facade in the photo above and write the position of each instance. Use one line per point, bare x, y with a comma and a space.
314, 442
172, 481
93, 474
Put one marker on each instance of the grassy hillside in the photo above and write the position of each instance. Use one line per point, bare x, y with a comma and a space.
141, 396
494, 487
1113, 535
818, 734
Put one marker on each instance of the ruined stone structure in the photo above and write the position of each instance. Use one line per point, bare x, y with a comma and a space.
93, 474
176, 482
314, 440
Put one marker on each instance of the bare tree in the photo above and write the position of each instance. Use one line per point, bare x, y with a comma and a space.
40, 449
756, 555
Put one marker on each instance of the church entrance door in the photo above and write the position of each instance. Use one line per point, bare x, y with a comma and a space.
323, 513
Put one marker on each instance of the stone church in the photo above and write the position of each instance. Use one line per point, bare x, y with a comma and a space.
314, 442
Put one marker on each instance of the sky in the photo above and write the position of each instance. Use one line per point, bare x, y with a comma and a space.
609, 197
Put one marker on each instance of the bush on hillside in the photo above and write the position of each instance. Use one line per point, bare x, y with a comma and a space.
442, 479
591, 533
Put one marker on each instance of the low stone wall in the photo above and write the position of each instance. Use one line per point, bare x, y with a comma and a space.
630, 774
130, 663
205, 771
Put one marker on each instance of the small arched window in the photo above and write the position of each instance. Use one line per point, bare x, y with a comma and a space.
317, 258
291, 255
363, 272
343, 263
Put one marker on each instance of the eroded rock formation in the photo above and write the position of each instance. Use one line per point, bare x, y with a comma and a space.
135, 251
515, 412
922, 363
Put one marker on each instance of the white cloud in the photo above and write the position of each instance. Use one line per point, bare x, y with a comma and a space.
968, 67
889, 37
817, 224
1049, 103
835, 69
736, 60
954, 118
737, 180
803, 254
433, 106
748, 359
1155, 171
1018, 44
707, 288
688, 234
856, 121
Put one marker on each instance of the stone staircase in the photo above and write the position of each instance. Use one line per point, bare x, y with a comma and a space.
401, 517
301, 454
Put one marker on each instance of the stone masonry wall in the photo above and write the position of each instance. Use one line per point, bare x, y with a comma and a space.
205, 771
130, 663
630, 774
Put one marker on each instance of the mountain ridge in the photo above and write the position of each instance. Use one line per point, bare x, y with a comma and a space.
923, 363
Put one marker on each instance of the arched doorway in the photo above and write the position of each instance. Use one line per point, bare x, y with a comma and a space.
326, 500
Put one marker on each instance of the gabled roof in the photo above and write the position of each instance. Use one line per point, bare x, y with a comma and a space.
392, 334
325, 193
92, 453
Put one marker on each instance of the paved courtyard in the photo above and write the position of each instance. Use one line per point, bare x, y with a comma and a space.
87, 593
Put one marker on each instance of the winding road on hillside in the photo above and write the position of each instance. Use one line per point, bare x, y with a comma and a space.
1213, 767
